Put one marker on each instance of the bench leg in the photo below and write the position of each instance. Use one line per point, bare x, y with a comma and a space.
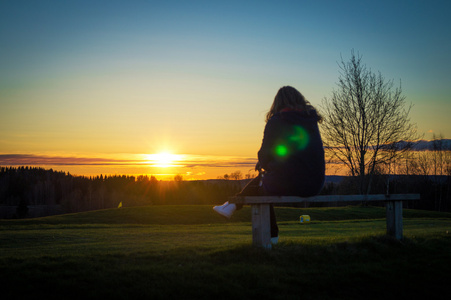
261, 229
394, 219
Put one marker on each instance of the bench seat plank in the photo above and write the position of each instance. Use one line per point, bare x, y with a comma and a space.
322, 198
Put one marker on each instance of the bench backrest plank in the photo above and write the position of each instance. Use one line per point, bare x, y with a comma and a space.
323, 198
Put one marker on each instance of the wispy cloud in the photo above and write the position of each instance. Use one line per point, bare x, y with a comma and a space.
218, 161
44, 160
188, 161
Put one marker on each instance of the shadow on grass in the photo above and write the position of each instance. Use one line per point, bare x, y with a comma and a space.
370, 268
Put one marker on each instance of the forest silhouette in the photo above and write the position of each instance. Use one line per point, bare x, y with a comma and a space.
25, 189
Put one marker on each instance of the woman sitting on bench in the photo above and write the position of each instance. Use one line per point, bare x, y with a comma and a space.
291, 157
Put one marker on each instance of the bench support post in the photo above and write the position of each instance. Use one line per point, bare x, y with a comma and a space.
394, 219
261, 228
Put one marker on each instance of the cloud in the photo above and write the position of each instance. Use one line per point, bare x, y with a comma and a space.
190, 161
218, 162
44, 160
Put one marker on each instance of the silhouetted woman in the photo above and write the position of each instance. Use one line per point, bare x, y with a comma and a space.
291, 157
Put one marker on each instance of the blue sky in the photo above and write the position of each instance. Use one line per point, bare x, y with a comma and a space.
104, 77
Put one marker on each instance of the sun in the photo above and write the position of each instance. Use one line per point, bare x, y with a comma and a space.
163, 159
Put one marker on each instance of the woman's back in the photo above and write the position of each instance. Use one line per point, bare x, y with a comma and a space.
292, 154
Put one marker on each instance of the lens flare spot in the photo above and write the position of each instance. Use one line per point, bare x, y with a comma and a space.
281, 150
300, 137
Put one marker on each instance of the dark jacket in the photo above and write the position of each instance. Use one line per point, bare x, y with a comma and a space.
292, 155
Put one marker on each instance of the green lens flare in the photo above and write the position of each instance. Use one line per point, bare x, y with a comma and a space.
296, 141
281, 150
300, 137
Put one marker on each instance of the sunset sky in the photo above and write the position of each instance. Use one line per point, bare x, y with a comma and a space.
91, 87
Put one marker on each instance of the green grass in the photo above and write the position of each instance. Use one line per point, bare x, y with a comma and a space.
188, 252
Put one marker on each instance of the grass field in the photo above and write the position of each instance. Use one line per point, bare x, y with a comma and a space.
188, 252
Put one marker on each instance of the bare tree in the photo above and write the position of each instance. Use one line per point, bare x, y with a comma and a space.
178, 177
366, 121
237, 175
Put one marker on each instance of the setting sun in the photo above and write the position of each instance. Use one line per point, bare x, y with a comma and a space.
163, 159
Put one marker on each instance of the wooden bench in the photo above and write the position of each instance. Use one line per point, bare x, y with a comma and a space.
261, 232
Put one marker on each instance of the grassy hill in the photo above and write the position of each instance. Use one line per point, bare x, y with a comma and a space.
203, 214
189, 252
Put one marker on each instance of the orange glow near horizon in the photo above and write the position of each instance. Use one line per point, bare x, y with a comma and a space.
162, 165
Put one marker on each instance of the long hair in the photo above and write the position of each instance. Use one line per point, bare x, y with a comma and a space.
289, 97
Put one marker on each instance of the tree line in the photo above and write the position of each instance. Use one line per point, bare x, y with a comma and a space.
30, 186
